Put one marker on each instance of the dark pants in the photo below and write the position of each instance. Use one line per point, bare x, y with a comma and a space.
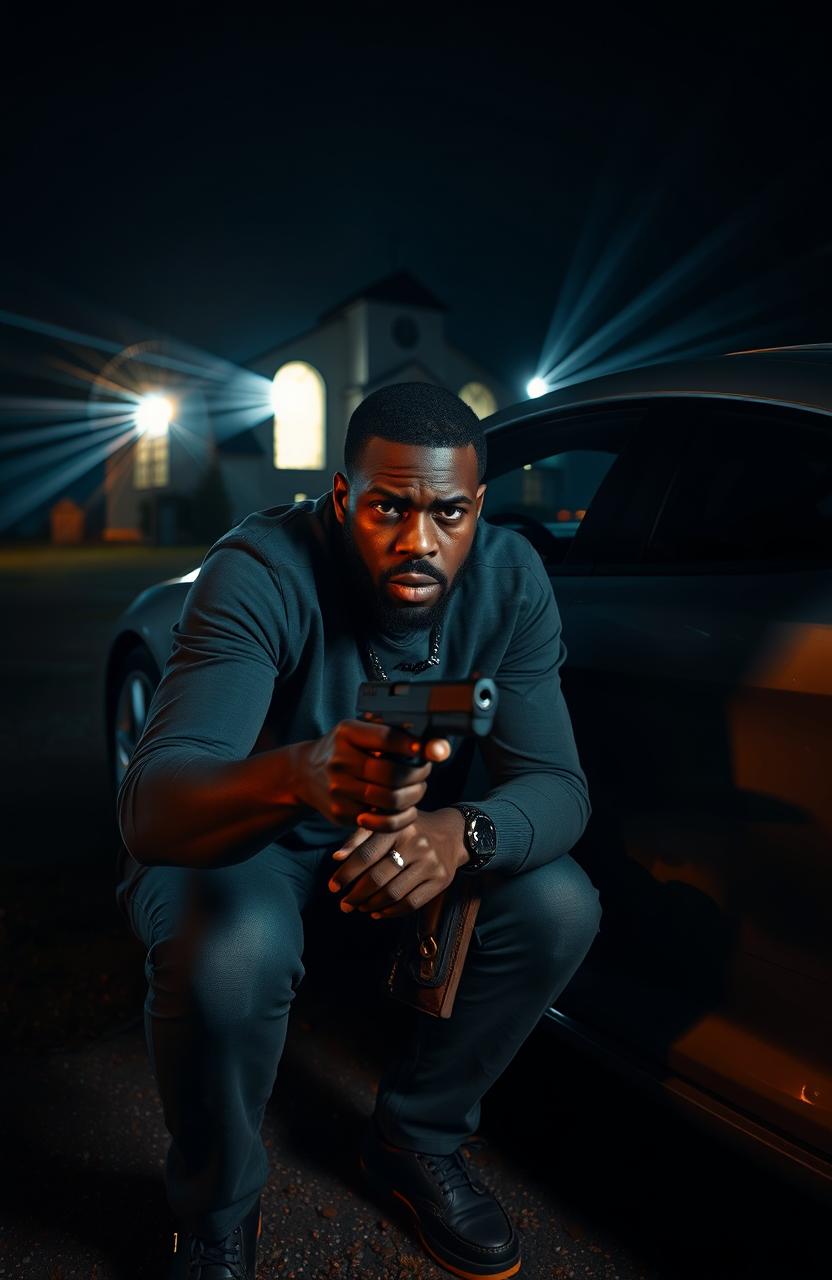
224, 962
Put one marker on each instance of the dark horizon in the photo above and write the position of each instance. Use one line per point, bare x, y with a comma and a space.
200, 189
203, 182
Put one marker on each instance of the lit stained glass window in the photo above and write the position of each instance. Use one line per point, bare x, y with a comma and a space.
299, 403
480, 398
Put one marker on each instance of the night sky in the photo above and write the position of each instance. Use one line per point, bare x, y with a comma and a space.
224, 182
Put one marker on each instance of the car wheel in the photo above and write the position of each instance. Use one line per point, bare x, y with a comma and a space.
136, 680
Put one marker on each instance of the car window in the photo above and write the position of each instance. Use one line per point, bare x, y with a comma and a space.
753, 489
546, 500
551, 493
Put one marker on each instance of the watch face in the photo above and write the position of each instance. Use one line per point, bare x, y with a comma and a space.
483, 835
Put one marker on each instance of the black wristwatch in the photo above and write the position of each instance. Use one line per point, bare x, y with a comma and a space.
480, 839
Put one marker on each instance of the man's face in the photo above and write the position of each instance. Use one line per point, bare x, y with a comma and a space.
412, 510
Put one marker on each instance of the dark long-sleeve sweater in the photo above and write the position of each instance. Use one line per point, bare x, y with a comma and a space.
265, 654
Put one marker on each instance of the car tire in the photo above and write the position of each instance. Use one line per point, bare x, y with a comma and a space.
135, 682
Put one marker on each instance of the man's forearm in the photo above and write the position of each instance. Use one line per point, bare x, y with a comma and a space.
204, 812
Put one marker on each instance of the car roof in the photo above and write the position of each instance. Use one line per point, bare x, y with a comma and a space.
794, 377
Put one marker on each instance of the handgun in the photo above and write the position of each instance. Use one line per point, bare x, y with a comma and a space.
430, 708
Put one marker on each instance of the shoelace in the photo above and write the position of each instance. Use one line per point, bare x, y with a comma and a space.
225, 1252
452, 1170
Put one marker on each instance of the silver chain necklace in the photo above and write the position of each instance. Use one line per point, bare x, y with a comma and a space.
431, 661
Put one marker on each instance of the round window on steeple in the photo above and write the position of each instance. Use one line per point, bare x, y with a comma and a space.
405, 331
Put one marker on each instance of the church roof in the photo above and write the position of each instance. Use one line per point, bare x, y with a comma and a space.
413, 366
401, 287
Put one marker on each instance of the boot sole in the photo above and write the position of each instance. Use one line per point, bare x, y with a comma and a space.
451, 1262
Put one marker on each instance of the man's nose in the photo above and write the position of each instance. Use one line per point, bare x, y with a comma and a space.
417, 536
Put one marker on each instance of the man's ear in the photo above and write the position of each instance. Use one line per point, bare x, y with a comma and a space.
340, 495
479, 496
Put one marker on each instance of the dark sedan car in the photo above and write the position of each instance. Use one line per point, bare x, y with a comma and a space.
684, 514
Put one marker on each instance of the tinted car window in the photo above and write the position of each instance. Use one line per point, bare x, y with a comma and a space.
546, 500
751, 489
562, 466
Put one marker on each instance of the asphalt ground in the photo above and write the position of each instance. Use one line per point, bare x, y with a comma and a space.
601, 1179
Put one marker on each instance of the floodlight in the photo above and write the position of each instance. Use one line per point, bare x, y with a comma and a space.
154, 414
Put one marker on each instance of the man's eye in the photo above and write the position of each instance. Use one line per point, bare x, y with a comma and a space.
451, 514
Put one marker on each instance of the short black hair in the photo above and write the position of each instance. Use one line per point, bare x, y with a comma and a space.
414, 413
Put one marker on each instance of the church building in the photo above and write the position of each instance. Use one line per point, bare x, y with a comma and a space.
186, 480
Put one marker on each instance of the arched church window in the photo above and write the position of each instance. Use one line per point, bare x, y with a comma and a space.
299, 403
479, 397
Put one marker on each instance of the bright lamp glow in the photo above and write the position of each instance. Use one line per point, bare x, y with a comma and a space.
154, 414
536, 387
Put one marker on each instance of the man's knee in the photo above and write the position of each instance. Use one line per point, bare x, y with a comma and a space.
563, 909
228, 968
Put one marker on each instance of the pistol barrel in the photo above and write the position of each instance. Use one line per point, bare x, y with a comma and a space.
430, 708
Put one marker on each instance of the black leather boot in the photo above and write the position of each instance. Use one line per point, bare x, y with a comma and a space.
232, 1258
461, 1225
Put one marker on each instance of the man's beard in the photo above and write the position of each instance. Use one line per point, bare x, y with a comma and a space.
378, 610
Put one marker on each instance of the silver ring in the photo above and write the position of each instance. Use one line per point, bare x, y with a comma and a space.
397, 857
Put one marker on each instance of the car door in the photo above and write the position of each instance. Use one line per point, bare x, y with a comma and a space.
580, 485
709, 746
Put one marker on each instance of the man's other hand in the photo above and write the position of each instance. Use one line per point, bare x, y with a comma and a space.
432, 848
